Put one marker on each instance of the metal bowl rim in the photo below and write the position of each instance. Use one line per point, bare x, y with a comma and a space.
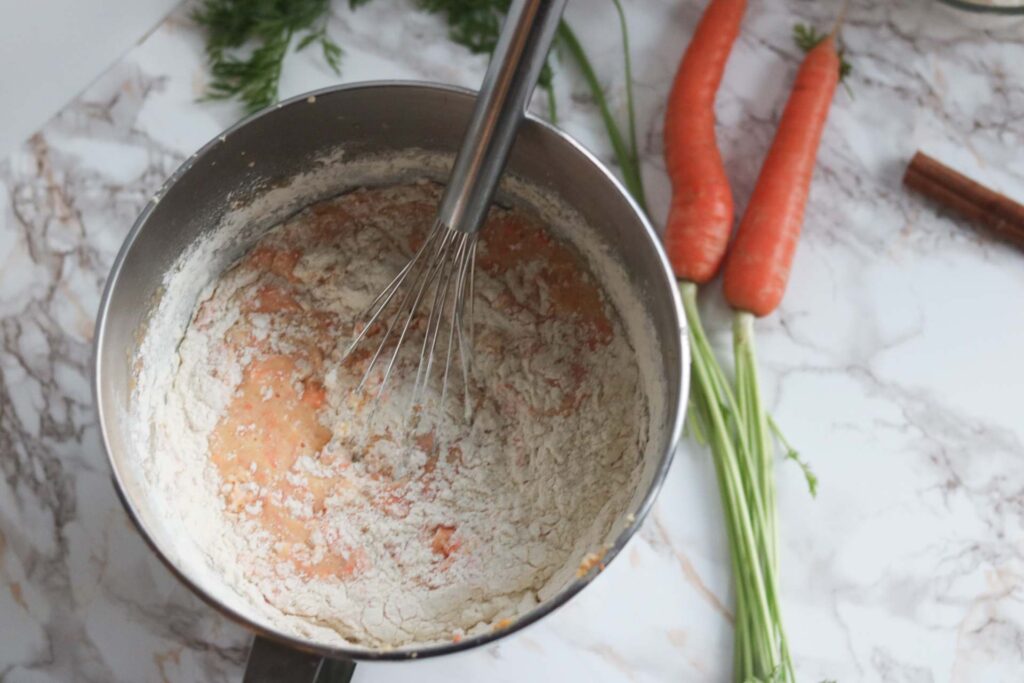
977, 8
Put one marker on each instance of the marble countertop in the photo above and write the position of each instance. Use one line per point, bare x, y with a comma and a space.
894, 364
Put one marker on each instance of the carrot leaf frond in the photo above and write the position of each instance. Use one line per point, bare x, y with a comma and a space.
807, 38
247, 41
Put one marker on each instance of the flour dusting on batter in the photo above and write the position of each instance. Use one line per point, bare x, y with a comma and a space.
383, 535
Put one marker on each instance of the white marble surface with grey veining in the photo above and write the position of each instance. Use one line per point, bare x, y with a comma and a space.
895, 364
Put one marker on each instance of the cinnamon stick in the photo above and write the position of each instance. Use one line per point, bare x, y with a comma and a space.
975, 202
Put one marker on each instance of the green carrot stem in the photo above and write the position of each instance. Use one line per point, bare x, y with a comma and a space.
794, 455
743, 656
755, 421
759, 428
740, 502
630, 171
695, 425
628, 68
549, 89
730, 405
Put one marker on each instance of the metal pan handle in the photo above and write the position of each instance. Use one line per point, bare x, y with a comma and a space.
271, 662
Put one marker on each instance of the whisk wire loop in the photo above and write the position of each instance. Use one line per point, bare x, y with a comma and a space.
439, 278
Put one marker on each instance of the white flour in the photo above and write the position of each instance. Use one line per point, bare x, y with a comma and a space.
393, 544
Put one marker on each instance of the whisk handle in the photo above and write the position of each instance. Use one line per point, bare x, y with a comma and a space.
515, 66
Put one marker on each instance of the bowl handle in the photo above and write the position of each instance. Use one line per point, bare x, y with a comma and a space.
271, 662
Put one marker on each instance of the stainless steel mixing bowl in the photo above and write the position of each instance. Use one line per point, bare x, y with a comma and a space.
263, 152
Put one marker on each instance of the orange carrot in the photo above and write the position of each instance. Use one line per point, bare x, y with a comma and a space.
760, 258
701, 213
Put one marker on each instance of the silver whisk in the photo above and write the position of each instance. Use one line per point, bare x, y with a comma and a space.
442, 272
447, 255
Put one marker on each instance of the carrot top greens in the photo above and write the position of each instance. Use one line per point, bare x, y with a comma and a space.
247, 42
807, 38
